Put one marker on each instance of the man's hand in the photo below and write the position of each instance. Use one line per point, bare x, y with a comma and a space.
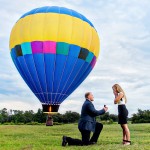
105, 108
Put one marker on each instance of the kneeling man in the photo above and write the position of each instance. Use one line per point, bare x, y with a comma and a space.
87, 123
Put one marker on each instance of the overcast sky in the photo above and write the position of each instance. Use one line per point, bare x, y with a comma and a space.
124, 30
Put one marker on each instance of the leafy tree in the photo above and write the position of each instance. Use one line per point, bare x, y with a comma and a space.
28, 116
70, 117
18, 116
3, 115
105, 116
143, 116
39, 117
57, 118
113, 117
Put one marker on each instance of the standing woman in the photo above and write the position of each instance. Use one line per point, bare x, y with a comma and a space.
121, 100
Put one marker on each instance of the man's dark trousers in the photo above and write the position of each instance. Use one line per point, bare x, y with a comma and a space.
86, 136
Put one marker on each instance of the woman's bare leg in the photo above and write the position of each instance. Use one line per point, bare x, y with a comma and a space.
127, 132
124, 134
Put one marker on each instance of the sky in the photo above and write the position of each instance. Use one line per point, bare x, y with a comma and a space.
124, 30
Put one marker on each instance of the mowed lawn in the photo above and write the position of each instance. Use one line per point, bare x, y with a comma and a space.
27, 137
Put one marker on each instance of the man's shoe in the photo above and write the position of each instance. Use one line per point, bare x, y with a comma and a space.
64, 141
93, 143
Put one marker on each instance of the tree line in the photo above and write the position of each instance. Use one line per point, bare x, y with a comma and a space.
27, 117
30, 117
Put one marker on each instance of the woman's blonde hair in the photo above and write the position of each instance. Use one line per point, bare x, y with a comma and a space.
119, 89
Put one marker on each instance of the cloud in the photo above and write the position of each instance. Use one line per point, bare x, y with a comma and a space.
123, 27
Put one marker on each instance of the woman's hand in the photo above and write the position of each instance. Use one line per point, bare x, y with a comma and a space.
115, 102
118, 98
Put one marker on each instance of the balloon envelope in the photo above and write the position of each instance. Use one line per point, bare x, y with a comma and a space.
54, 49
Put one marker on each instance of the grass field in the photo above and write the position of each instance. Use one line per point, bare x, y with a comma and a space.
26, 137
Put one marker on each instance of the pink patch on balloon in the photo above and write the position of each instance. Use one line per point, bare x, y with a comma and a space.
43, 47
49, 47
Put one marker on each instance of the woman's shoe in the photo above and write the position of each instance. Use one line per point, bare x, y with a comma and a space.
123, 141
127, 142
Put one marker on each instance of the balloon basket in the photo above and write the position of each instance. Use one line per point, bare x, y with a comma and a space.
49, 120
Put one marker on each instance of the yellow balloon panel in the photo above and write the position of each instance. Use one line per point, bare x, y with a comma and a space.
25, 34
55, 27
65, 28
87, 35
51, 26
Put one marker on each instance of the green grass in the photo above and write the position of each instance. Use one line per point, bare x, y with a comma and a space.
27, 137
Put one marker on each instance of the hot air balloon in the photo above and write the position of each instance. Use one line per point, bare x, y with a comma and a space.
54, 49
